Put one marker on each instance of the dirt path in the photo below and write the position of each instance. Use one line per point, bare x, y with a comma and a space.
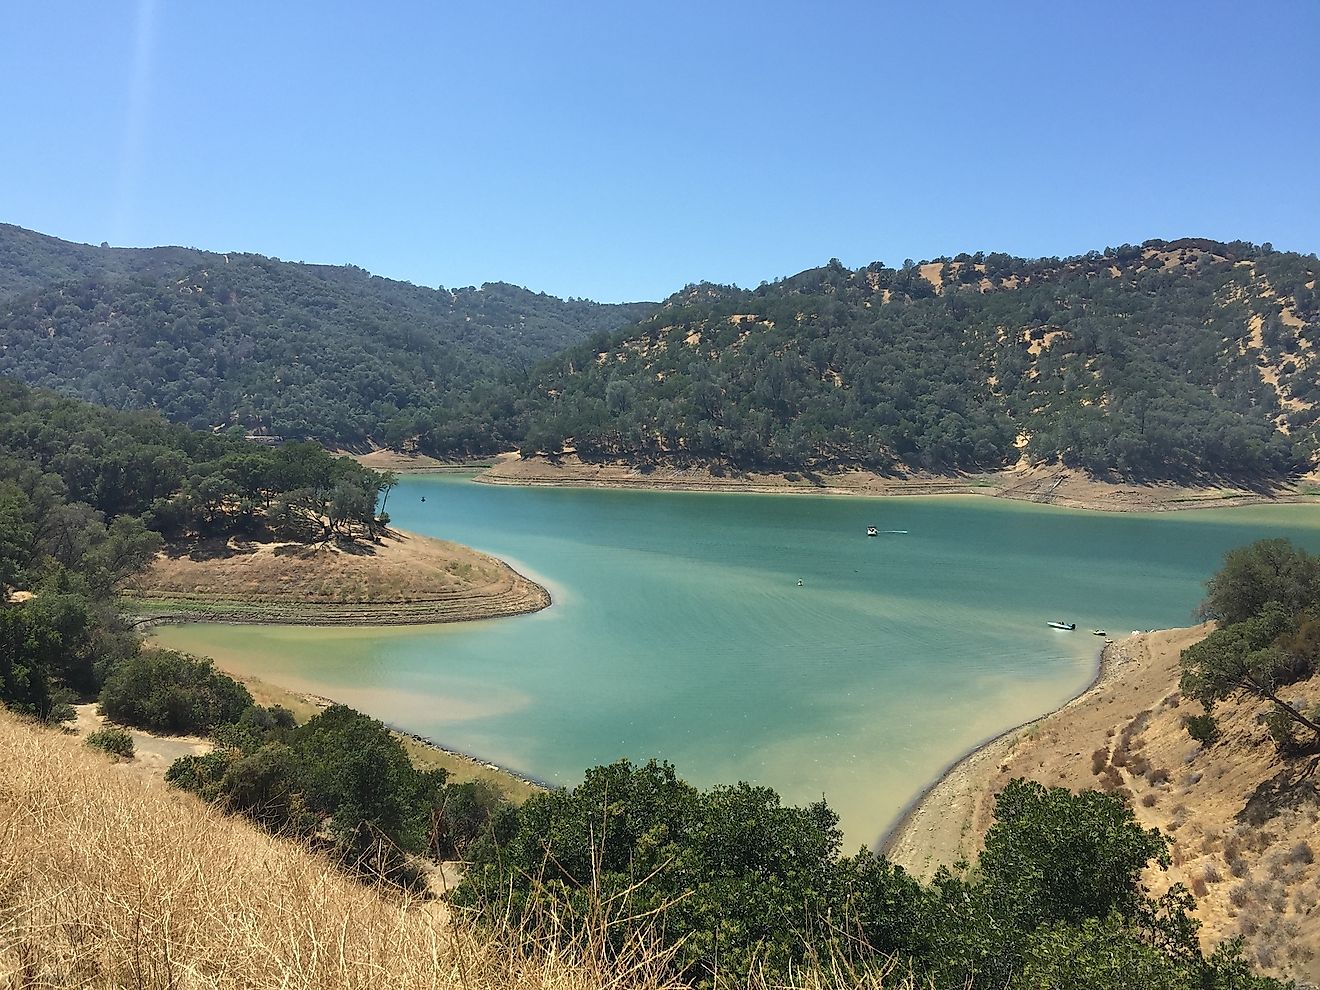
152, 754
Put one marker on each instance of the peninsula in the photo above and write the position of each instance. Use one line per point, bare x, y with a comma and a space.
401, 579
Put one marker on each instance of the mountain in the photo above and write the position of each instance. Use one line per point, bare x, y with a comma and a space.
29, 260
241, 340
1170, 360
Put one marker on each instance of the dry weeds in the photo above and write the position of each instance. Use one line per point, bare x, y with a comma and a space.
110, 880
403, 579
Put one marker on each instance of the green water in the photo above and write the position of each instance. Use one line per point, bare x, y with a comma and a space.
679, 630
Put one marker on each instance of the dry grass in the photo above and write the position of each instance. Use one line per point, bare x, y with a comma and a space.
111, 880
405, 578
1250, 861
107, 880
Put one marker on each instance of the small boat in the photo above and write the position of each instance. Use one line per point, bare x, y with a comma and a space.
1065, 626
872, 531
799, 582
1097, 632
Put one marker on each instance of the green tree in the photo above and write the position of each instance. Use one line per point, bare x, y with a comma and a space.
352, 770
1245, 658
1253, 576
169, 692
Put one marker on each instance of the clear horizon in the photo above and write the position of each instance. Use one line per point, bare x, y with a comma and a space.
620, 153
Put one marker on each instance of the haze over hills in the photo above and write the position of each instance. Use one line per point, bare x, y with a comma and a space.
219, 340
1185, 359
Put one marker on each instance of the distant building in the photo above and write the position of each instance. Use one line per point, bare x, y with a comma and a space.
268, 439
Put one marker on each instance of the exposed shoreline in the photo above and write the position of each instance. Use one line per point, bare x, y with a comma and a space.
953, 787
406, 580
1061, 487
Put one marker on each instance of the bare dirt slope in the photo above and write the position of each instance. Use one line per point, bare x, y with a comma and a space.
1046, 485
404, 579
1243, 821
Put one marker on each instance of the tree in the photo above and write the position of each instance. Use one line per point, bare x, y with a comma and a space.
169, 692
356, 773
1243, 658
1053, 856
1266, 571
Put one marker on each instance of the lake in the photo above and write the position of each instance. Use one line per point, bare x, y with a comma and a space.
680, 631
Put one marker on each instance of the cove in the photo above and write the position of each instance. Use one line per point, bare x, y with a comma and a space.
679, 630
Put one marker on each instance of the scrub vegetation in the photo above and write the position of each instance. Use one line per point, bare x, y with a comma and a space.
1187, 360
254, 343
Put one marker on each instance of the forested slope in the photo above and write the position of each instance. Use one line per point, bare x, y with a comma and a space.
1170, 360
243, 340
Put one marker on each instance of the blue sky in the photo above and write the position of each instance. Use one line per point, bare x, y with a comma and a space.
620, 150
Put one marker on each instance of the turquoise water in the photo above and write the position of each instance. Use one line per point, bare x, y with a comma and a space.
679, 630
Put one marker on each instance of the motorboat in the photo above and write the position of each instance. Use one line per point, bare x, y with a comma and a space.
1065, 626
872, 531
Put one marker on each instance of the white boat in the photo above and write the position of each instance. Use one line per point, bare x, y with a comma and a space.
1097, 632
1065, 626
872, 531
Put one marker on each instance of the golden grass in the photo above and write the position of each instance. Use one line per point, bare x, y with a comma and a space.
108, 880
405, 578
111, 880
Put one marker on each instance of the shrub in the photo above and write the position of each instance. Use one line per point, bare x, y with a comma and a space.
1099, 760
1301, 853
169, 692
1203, 728
1284, 731
116, 742
200, 774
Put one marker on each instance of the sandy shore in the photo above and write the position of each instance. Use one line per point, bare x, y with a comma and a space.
1242, 819
1048, 486
939, 827
405, 579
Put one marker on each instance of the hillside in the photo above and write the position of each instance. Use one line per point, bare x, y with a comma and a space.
1186, 361
109, 879
240, 340
1242, 817
31, 261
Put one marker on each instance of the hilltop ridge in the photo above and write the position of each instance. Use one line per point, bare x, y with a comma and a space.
237, 340
1190, 361
1184, 360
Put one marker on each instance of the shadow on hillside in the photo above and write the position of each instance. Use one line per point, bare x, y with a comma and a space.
210, 548
227, 548
1291, 787
358, 548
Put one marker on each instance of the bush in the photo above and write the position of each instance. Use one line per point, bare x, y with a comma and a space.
169, 692
1283, 730
203, 775
1203, 728
116, 742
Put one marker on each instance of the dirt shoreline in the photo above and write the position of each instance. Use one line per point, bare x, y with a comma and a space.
1240, 816
405, 579
958, 784
1062, 487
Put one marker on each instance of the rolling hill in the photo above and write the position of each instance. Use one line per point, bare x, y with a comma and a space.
240, 340
1173, 360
